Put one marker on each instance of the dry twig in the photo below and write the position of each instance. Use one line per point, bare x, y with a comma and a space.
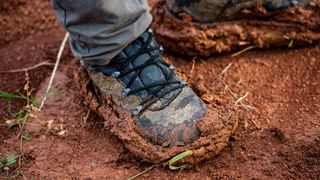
225, 69
238, 101
192, 68
242, 51
241, 99
29, 109
54, 70
143, 172
87, 116
45, 63
193, 65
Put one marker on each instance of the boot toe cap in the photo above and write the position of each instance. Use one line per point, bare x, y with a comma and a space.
176, 123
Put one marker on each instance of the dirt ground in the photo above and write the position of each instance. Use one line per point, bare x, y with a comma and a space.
279, 139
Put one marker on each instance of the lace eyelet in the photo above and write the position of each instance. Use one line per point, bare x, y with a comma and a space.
171, 66
115, 74
161, 49
183, 83
150, 31
294, 2
137, 110
126, 91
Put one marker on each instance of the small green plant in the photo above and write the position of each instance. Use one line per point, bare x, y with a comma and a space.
23, 114
7, 162
20, 116
20, 119
26, 136
33, 100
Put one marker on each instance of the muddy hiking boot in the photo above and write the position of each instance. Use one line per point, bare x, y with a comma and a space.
204, 28
208, 11
165, 109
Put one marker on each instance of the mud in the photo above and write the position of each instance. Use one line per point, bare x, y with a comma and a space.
216, 127
296, 26
279, 139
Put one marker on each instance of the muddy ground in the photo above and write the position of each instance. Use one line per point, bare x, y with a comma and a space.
280, 138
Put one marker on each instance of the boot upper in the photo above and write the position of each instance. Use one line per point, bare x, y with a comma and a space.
140, 81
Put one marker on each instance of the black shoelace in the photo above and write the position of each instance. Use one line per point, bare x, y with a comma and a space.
163, 87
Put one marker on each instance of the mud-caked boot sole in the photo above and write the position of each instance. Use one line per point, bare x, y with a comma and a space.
257, 28
215, 128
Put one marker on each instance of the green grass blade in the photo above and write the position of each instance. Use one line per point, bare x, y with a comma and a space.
56, 92
178, 158
20, 114
9, 107
9, 95
142, 172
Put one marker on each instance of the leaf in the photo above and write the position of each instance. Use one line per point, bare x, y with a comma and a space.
49, 124
34, 102
9, 95
12, 122
62, 133
2, 159
11, 159
26, 136
19, 115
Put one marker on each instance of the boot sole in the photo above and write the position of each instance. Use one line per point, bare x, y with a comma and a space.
213, 139
293, 27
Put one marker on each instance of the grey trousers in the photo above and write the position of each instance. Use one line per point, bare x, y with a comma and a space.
100, 29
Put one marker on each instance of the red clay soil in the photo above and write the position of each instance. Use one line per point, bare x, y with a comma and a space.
280, 138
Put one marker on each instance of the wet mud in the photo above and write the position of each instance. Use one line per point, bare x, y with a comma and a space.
278, 139
293, 27
216, 127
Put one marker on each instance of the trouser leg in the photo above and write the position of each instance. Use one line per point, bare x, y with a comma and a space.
100, 29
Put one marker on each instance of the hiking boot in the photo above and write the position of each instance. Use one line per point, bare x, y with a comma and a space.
205, 28
165, 109
208, 11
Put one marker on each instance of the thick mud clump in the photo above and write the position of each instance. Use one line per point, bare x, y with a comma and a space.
216, 128
295, 26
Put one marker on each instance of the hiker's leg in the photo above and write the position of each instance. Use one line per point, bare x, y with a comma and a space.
100, 29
